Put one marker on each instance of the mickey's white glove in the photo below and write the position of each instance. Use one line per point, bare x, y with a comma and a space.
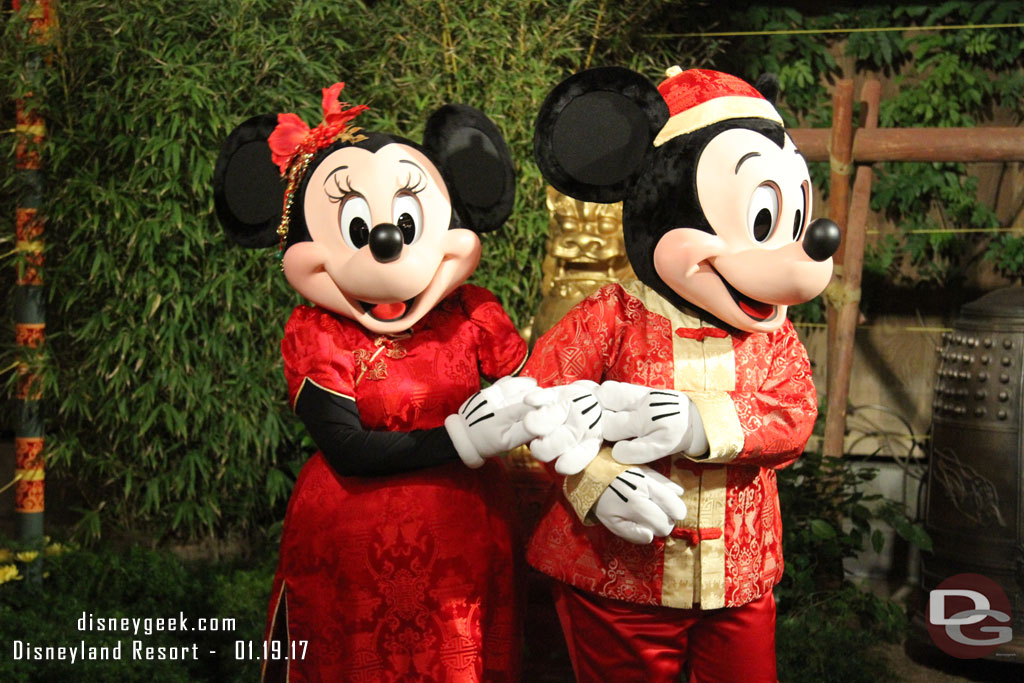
491, 420
657, 422
640, 504
567, 422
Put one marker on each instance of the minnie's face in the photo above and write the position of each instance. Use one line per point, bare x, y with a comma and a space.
380, 250
756, 197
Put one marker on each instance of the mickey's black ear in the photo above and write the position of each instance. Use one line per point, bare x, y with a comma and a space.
475, 162
247, 187
768, 85
595, 130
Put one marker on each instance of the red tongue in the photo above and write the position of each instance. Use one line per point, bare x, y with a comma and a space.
759, 310
388, 311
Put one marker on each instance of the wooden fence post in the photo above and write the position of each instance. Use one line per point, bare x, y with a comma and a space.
839, 153
847, 299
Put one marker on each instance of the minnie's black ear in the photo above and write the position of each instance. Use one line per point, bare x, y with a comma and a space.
768, 85
475, 162
594, 132
247, 187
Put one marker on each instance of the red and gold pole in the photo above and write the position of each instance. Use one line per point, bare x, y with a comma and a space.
29, 311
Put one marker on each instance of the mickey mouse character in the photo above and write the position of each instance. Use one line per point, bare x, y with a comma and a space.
706, 387
396, 560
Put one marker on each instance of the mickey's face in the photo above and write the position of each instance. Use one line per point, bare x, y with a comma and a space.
380, 249
756, 198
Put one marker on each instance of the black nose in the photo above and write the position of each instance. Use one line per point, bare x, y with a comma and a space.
386, 242
821, 241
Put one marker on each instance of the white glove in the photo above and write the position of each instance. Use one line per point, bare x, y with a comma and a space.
640, 504
491, 420
658, 422
567, 421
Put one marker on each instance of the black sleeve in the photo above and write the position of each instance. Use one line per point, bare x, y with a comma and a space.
352, 450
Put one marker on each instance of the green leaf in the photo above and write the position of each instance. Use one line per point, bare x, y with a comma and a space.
822, 529
916, 535
877, 540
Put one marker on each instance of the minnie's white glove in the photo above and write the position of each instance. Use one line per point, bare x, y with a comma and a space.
656, 422
640, 504
567, 421
491, 420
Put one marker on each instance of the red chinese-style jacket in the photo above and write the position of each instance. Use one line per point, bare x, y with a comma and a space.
758, 405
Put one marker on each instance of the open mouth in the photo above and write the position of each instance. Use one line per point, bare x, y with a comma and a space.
758, 310
386, 313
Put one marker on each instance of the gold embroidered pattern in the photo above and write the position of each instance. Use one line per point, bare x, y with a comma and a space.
582, 490
679, 579
721, 424
719, 364
372, 366
704, 366
745, 558
712, 551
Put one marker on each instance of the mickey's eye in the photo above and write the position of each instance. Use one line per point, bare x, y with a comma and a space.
408, 216
355, 221
763, 212
801, 214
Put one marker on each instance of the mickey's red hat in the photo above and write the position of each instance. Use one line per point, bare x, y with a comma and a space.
699, 97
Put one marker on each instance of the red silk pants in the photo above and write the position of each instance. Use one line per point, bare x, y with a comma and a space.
610, 640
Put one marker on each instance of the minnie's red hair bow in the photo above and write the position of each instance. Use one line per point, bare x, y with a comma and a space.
292, 137
293, 143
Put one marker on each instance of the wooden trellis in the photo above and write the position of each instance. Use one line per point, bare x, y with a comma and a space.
849, 149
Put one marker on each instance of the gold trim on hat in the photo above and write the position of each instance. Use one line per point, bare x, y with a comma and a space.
717, 109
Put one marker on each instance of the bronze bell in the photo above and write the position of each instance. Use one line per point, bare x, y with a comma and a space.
975, 495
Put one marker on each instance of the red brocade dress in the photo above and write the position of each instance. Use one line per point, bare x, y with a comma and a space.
410, 576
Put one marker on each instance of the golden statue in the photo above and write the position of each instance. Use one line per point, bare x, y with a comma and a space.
585, 251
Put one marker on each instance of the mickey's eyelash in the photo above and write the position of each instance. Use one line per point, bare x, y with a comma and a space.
343, 190
414, 185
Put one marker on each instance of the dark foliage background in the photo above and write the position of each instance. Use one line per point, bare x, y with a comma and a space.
827, 626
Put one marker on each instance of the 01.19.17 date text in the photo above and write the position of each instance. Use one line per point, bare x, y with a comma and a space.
271, 649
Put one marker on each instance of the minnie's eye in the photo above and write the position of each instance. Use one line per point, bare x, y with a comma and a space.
408, 216
355, 221
763, 212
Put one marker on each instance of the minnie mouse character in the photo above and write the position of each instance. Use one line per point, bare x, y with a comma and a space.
396, 560
705, 383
